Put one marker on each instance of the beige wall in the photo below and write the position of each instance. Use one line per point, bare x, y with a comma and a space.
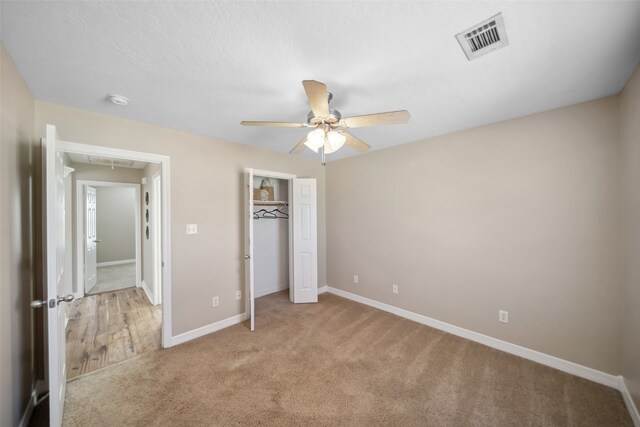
116, 223
630, 137
521, 215
206, 188
16, 242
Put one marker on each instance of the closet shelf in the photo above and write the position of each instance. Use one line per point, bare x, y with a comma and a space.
270, 203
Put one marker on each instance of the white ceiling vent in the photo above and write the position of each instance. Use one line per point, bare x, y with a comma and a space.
484, 37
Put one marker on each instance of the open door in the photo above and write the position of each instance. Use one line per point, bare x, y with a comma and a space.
91, 240
248, 245
304, 241
55, 252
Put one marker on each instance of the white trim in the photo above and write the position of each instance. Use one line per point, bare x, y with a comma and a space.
147, 292
271, 174
165, 162
208, 329
122, 261
323, 289
527, 353
156, 181
628, 399
165, 181
271, 291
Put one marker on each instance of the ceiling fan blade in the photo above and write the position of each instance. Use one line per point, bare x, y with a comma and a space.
388, 118
318, 97
298, 148
354, 142
273, 124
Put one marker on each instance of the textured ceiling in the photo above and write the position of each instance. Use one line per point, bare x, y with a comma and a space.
203, 66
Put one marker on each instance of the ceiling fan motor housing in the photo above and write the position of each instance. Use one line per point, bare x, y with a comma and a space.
333, 118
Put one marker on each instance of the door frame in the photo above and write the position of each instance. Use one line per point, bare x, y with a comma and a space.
248, 230
80, 222
156, 180
164, 161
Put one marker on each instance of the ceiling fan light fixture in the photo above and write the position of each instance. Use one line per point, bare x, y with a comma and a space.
333, 142
315, 139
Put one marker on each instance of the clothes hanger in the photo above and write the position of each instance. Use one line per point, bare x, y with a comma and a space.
278, 211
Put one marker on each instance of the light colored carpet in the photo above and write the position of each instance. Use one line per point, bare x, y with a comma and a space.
114, 277
336, 363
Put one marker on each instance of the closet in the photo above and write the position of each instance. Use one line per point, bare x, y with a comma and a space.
270, 235
281, 237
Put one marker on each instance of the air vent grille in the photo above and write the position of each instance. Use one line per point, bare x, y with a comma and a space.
111, 162
483, 38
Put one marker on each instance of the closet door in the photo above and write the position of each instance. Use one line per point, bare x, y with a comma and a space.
248, 245
304, 229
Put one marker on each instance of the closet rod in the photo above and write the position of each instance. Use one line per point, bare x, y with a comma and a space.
269, 203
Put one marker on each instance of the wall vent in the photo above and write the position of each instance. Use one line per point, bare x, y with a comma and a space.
485, 37
103, 161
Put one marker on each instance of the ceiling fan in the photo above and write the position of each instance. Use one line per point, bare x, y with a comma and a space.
329, 133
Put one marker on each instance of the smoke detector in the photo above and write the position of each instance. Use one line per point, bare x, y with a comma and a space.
119, 99
485, 37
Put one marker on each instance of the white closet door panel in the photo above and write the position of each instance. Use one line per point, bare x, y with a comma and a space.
305, 241
248, 245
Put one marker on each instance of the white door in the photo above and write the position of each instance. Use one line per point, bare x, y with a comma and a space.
91, 239
304, 241
248, 245
55, 250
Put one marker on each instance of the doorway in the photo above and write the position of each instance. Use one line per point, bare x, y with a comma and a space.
111, 318
108, 237
281, 247
56, 250
117, 313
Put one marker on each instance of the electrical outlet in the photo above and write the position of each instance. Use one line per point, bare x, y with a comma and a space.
503, 316
215, 302
394, 288
238, 295
355, 279
192, 229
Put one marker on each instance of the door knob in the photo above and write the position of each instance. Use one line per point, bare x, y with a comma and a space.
38, 303
97, 241
247, 257
67, 298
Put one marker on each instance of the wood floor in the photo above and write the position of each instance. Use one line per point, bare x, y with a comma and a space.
110, 327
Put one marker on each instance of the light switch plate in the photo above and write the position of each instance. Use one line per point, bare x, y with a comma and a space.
192, 228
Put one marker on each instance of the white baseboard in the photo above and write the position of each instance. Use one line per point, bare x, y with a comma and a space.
322, 289
271, 290
527, 353
147, 292
122, 261
207, 329
628, 400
